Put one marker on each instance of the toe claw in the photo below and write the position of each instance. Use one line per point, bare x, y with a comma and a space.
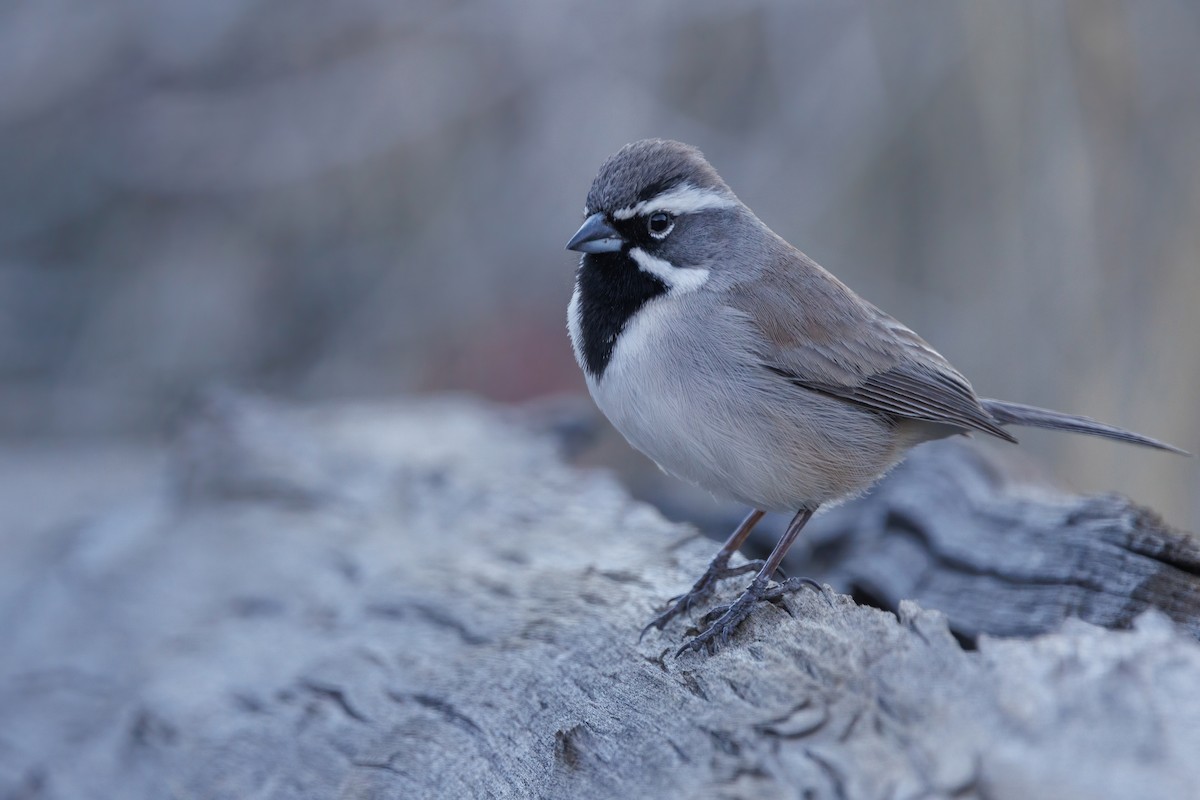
721, 621
676, 606
683, 603
792, 585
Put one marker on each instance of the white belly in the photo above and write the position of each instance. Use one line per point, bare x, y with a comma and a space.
706, 412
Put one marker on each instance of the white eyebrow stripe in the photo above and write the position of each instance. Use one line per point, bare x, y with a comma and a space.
678, 279
683, 199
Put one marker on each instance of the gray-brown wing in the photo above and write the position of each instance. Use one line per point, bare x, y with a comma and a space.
821, 336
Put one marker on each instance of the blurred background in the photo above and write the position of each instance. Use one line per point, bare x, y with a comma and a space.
370, 199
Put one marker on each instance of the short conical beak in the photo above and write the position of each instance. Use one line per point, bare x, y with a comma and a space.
596, 236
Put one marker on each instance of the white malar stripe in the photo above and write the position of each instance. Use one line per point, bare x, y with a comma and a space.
683, 199
677, 279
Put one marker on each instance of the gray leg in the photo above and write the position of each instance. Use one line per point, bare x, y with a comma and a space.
731, 616
718, 569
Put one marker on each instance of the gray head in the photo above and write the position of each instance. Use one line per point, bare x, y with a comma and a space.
661, 199
642, 170
660, 222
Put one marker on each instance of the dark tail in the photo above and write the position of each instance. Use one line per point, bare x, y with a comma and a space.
1034, 417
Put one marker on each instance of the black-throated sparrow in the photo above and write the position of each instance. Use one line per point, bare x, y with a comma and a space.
737, 363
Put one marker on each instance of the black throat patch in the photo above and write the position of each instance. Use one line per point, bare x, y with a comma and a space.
611, 290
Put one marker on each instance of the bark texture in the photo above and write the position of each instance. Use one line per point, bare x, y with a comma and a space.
953, 531
423, 601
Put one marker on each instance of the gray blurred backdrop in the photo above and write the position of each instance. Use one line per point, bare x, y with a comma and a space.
371, 197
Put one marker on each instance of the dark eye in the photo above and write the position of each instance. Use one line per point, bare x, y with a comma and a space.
660, 224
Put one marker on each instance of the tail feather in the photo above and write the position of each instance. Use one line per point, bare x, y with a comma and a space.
1034, 417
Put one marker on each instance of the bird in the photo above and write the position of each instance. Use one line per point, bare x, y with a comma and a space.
737, 363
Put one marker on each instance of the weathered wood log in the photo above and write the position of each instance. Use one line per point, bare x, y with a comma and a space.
423, 602
954, 531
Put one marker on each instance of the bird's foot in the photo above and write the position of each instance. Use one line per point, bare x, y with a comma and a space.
718, 570
723, 620
793, 585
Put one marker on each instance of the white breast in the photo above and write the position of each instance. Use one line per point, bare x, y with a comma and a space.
684, 388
